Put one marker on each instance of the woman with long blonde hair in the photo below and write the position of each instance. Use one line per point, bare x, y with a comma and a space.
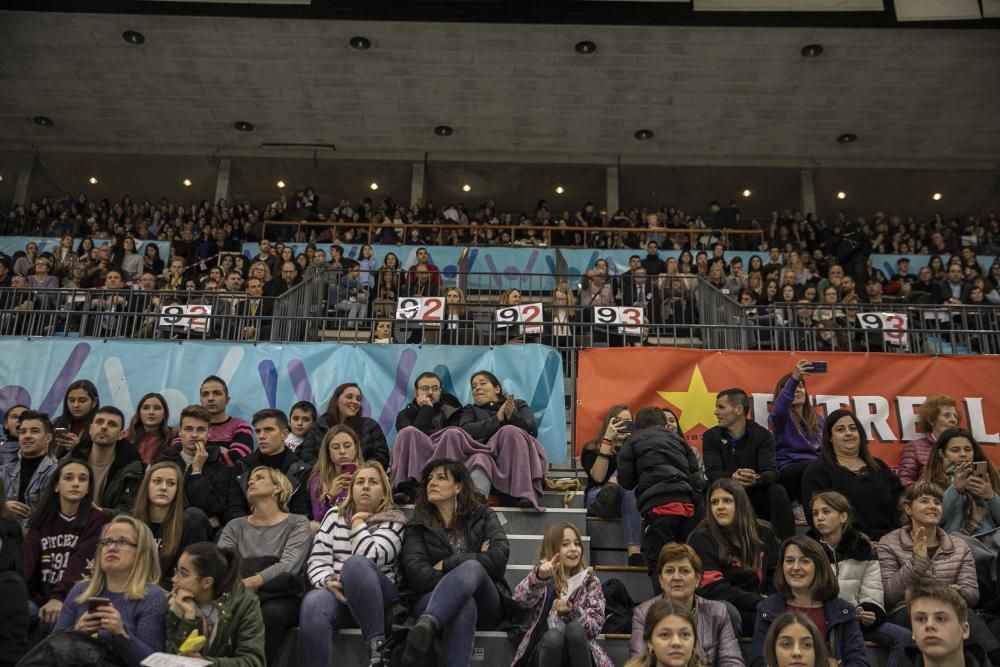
353, 567
121, 602
329, 482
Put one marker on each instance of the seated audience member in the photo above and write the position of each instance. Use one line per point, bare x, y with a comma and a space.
353, 568
454, 557
149, 429
9, 433
507, 428
738, 552
796, 427
604, 496
855, 564
921, 550
80, 403
160, 505
680, 570
505, 331
26, 477
114, 461
845, 465
344, 408
458, 327
667, 480
274, 545
939, 616
970, 508
206, 475
937, 414
233, 436
382, 333
271, 427
564, 622
208, 596
14, 621
126, 572
804, 582
670, 637
300, 420
61, 539
561, 318
743, 450
331, 479
793, 641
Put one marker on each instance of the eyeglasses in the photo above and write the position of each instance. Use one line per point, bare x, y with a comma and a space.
431, 389
120, 544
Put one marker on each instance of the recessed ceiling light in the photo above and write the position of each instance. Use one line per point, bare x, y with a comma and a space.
444, 130
280, 184
643, 135
812, 50
466, 188
133, 37
186, 182
936, 196
244, 126
560, 190
43, 121
841, 195
92, 180
747, 192
586, 47
359, 43
847, 138
374, 186
1, 178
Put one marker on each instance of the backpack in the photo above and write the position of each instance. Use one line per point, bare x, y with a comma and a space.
618, 606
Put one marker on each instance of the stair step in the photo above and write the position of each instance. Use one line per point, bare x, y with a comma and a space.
605, 533
530, 522
614, 557
555, 499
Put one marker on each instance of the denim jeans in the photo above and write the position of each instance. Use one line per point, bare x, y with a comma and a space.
893, 638
465, 598
367, 590
627, 510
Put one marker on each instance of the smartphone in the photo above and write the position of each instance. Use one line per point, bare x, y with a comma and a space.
93, 604
818, 366
979, 469
628, 426
348, 468
60, 430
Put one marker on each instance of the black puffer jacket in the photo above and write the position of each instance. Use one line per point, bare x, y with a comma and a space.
480, 421
373, 444
424, 546
430, 418
661, 467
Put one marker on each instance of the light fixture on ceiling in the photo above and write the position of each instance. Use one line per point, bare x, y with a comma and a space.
812, 50
841, 195
643, 135
586, 47
134, 38
280, 184
373, 186
1, 178
747, 192
43, 121
847, 138
186, 182
444, 130
359, 43
936, 196
92, 180
466, 188
560, 190
243, 126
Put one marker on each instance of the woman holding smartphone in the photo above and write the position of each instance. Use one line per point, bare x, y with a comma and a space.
339, 457
79, 407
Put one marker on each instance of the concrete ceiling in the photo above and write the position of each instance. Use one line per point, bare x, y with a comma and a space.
519, 93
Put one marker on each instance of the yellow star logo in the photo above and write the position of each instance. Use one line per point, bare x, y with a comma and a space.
696, 405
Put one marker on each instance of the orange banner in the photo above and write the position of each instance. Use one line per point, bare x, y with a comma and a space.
884, 390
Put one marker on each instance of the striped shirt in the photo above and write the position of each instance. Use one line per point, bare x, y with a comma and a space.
336, 541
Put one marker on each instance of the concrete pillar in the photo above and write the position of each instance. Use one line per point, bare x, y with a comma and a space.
21, 188
417, 182
611, 193
808, 186
222, 179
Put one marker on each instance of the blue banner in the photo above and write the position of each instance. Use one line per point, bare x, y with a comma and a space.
11, 244
38, 371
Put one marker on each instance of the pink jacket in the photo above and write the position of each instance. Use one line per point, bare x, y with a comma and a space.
916, 453
952, 564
